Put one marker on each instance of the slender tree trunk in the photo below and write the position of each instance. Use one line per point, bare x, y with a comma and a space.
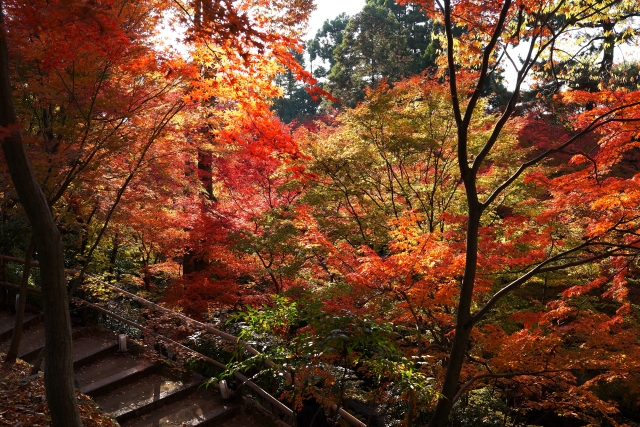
205, 172
146, 275
35, 368
58, 376
609, 44
464, 323
12, 353
3, 277
113, 256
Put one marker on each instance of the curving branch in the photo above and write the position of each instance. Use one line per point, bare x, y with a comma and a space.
595, 124
469, 383
543, 267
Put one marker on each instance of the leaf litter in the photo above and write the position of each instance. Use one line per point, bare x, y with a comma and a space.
23, 401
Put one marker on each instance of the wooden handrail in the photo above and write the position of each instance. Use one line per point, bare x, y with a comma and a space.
228, 337
12, 286
281, 406
208, 328
231, 338
19, 261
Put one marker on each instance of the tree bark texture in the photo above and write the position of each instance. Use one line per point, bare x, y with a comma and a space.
12, 353
464, 322
58, 374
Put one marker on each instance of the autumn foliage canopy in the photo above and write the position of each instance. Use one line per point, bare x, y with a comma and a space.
429, 253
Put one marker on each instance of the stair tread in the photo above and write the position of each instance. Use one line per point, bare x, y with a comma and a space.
192, 410
106, 367
32, 339
242, 421
141, 392
7, 320
90, 343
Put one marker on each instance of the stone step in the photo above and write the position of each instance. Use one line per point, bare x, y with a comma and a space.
112, 382
146, 395
248, 420
32, 341
107, 366
94, 350
89, 343
202, 408
7, 321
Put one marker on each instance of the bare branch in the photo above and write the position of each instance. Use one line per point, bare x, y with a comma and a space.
486, 56
595, 124
469, 383
544, 267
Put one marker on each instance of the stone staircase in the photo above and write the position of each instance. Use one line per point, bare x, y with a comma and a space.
137, 392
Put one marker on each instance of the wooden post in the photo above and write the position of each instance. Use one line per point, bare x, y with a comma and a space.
240, 388
83, 310
272, 390
4, 291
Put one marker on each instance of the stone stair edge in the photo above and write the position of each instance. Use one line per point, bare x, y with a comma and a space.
114, 381
217, 416
144, 407
92, 356
32, 354
26, 324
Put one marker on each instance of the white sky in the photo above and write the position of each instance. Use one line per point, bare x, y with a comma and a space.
329, 9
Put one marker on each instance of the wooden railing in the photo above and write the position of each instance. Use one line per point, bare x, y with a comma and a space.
203, 326
4, 281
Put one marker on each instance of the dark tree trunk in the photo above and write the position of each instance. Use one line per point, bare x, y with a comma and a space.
609, 44
205, 172
4, 290
58, 376
192, 263
146, 274
12, 353
464, 323
113, 256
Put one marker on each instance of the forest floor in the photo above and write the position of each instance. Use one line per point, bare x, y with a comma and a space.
23, 402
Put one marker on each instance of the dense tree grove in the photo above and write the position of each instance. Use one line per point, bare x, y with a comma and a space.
385, 40
400, 233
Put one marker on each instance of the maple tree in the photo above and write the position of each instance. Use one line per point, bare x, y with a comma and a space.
250, 166
386, 202
494, 27
236, 147
58, 381
120, 94
87, 105
422, 247
374, 221
535, 198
